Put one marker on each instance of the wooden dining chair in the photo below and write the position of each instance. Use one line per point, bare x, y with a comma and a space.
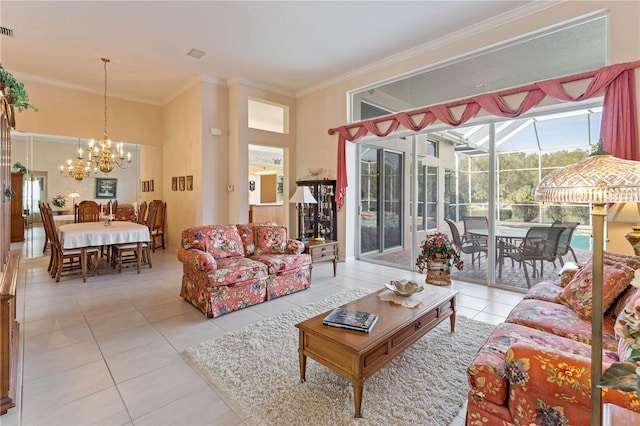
88, 211
158, 229
127, 254
68, 261
142, 212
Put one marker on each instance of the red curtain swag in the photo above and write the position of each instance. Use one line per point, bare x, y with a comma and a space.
618, 128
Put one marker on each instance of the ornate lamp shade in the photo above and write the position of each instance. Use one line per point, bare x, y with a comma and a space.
302, 196
600, 179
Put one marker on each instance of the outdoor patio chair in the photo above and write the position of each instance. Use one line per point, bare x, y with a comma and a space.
475, 222
540, 244
564, 245
475, 249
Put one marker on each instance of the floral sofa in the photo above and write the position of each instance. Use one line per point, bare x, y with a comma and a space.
230, 267
535, 368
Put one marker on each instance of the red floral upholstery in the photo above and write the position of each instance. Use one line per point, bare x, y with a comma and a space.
218, 278
577, 294
125, 212
271, 239
536, 367
247, 234
561, 320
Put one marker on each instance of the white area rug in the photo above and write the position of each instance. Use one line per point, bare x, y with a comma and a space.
258, 368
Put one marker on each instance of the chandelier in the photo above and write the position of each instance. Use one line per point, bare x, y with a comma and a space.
78, 169
102, 155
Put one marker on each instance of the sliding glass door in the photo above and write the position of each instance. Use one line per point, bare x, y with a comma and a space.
381, 204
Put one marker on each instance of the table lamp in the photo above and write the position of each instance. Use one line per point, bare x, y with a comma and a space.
598, 180
628, 213
301, 197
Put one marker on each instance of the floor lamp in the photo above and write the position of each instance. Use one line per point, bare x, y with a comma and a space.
598, 180
301, 197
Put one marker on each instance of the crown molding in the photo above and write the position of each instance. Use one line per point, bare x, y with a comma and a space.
505, 18
258, 85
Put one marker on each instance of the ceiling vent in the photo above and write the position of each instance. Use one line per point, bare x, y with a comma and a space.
6, 31
195, 53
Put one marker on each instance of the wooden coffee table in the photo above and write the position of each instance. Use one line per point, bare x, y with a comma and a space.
356, 355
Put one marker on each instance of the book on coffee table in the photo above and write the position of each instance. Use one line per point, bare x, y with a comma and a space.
351, 319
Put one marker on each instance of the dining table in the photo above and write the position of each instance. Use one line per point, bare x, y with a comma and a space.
97, 234
507, 238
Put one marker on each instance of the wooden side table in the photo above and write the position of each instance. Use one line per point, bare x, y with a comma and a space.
322, 251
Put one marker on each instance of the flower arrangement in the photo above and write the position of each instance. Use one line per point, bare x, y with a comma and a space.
438, 247
58, 200
625, 375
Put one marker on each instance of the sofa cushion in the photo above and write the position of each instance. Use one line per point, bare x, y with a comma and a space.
544, 290
271, 239
247, 234
560, 320
578, 295
235, 269
220, 241
486, 374
627, 326
277, 263
630, 260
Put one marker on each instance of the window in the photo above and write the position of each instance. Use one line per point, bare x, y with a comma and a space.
269, 116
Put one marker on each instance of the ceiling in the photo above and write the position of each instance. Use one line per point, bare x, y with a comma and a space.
291, 47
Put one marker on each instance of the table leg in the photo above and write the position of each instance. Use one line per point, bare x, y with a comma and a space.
452, 321
357, 397
83, 264
303, 366
335, 263
139, 255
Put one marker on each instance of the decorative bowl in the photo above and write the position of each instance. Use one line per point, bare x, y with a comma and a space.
315, 171
404, 288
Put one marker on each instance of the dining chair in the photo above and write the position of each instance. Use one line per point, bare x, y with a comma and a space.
475, 222
68, 261
88, 211
142, 212
158, 228
540, 244
473, 248
127, 254
564, 244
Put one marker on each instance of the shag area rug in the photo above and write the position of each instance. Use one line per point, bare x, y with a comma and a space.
257, 367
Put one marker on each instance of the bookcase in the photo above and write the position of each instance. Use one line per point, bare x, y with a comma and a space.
320, 218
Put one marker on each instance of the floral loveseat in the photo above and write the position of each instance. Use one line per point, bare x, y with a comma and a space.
535, 368
230, 267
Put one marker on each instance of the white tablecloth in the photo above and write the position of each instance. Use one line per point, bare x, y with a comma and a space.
63, 219
92, 234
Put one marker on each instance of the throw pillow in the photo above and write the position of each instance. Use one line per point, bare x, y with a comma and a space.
578, 293
627, 327
271, 240
630, 260
567, 272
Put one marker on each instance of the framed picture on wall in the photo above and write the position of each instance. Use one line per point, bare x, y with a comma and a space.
106, 188
174, 183
189, 183
150, 186
144, 186
181, 183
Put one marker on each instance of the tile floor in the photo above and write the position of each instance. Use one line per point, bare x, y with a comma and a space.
108, 351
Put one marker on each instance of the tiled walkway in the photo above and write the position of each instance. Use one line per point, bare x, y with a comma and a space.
109, 351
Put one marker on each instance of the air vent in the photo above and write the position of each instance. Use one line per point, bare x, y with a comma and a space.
196, 53
6, 31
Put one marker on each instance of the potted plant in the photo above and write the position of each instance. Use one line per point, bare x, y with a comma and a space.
20, 167
437, 255
58, 200
18, 96
625, 375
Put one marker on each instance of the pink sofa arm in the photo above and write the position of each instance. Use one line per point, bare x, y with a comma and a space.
549, 383
295, 247
197, 259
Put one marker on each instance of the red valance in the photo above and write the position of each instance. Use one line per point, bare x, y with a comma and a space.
618, 129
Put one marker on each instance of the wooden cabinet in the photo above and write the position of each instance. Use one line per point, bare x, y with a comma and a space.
322, 251
17, 218
320, 218
9, 330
